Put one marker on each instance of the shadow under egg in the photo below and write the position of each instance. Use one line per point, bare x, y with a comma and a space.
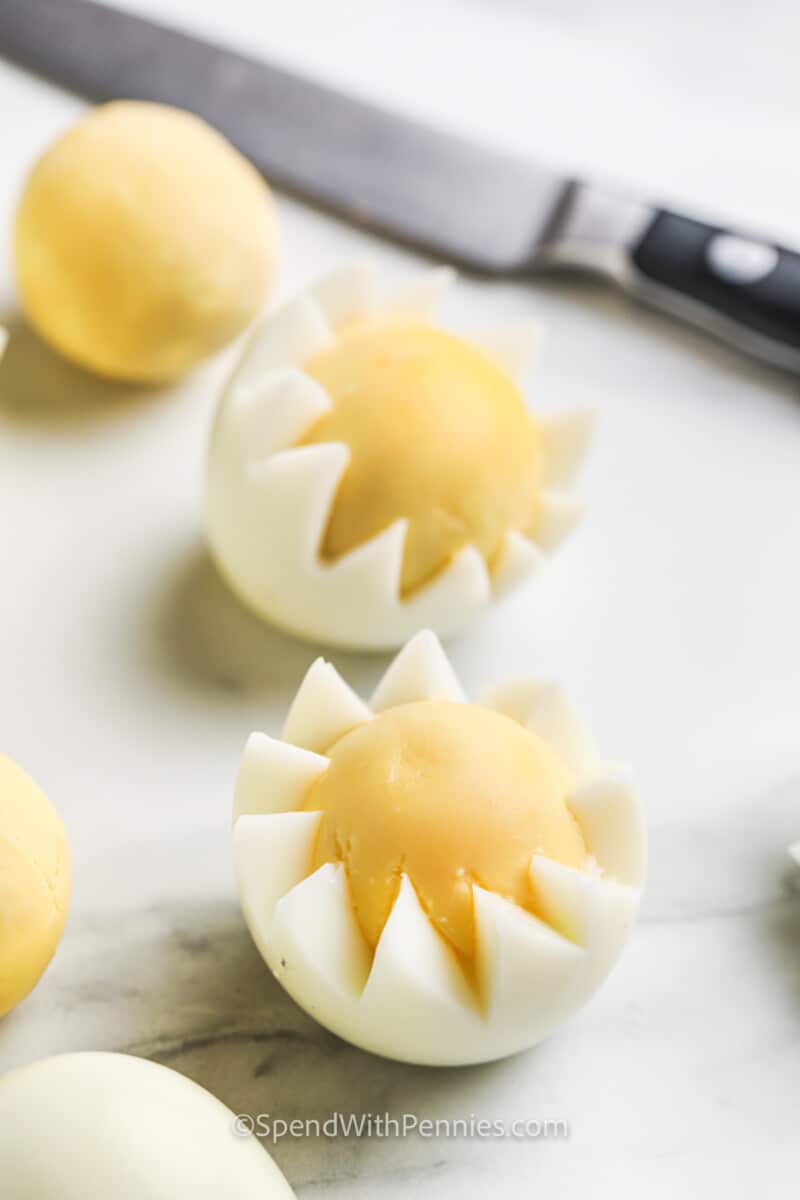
207, 638
41, 390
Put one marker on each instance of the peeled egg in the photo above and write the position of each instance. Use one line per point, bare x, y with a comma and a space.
371, 473
435, 881
35, 883
144, 242
110, 1125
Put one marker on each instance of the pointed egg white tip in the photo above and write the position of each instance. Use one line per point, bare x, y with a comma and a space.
421, 671
566, 438
465, 583
592, 867
324, 709
514, 345
414, 971
385, 619
289, 337
518, 956
292, 493
794, 851
609, 812
271, 855
373, 570
316, 931
519, 559
274, 776
576, 902
558, 515
273, 413
560, 896
421, 297
595, 914
347, 294
544, 709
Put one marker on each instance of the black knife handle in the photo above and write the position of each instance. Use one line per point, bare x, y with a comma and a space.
743, 290
725, 281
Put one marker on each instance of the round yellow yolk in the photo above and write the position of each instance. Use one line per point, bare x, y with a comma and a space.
438, 433
34, 883
451, 795
143, 242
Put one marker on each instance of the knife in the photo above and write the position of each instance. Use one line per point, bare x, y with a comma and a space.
483, 210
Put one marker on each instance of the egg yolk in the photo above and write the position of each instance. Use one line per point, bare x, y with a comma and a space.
35, 883
451, 795
438, 433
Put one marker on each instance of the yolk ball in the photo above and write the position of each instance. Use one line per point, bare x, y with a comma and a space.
451, 795
35, 883
438, 433
143, 242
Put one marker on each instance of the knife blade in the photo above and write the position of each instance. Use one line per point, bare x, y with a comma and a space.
469, 204
386, 173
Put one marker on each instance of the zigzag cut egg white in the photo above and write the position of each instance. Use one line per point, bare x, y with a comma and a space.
371, 474
435, 881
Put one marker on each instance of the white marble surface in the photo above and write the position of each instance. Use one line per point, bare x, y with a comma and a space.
129, 678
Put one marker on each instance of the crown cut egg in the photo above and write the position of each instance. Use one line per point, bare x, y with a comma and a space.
371, 473
435, 881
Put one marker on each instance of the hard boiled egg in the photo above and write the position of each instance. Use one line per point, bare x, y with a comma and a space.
110, 1125
144, 242
372, 473
35, 883
436, 881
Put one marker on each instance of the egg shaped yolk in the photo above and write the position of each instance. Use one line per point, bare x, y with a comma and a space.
450, 795
144, 242
438, 434
35, 883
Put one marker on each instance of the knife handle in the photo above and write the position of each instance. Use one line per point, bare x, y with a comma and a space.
737, 286
743, 290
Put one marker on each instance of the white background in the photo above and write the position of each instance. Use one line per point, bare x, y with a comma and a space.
129, 678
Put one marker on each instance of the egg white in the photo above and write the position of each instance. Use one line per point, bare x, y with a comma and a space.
411, 1000
110, 1125
268, 500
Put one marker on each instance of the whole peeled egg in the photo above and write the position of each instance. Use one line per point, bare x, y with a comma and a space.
111, 1125
35, 883
143, 242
